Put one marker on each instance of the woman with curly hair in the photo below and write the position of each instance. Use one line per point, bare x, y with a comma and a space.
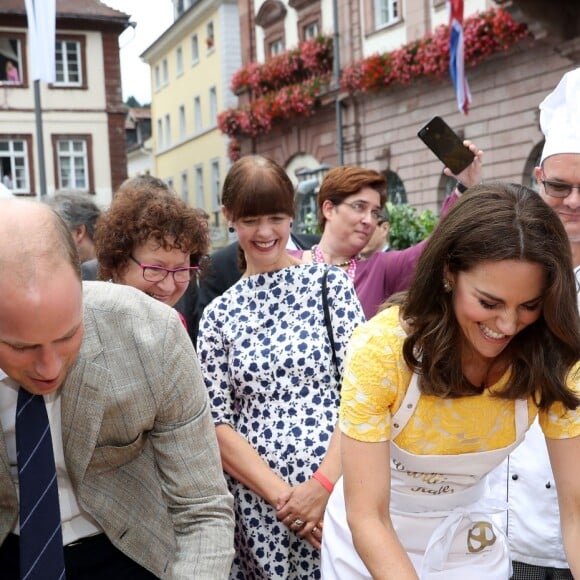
151, 240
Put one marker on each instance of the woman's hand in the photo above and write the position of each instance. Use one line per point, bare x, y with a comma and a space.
471, 175
306, 503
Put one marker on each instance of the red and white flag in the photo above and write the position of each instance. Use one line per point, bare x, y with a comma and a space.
41, 16
457, 56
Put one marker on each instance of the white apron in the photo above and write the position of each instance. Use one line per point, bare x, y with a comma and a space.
437, 508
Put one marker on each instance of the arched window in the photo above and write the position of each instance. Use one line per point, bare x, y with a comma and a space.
306, 174
270, 18
533, 161
395, 188
444, 188
309, 18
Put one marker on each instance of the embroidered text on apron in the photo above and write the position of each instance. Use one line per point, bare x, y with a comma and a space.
437, 507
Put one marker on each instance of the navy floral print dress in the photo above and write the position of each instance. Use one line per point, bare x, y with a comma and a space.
267, 363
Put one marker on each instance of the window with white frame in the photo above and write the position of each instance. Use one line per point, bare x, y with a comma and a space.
213, 106
165, 71
179, 61
197, 122
182, 125
215, 189
386, 12
14, 164
73, 163
167, 130
311, 31
199, 196
68, 63
276, 47
209, 36
157, 78
184, 187
11, 59
194, 49
160, 143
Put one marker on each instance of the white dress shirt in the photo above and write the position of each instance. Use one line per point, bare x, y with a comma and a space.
76, 523
577, 273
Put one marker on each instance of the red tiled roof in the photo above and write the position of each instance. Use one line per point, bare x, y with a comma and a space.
141, 112
134, 114
85, 9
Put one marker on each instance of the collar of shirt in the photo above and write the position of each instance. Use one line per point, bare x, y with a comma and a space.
291, 244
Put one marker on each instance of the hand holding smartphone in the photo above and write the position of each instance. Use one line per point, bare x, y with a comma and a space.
446, 145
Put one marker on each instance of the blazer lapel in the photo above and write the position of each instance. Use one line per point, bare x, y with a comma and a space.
82, 407
8, 497
5, 479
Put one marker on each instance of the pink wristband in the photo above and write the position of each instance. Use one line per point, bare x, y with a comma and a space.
323, 481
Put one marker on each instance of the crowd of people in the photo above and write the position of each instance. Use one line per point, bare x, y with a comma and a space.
295, 406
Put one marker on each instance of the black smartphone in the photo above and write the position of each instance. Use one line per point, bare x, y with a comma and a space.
446, 145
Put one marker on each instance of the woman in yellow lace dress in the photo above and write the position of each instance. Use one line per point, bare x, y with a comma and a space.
439, 390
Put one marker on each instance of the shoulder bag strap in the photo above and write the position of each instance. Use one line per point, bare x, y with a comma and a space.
328, 324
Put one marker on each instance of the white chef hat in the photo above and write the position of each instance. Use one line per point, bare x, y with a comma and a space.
560, 117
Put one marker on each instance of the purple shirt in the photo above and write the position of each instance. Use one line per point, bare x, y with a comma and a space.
386, 273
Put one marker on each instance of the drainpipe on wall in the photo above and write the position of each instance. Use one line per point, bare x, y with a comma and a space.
336, 81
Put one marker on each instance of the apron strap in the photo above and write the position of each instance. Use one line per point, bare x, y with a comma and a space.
407, 408
522, 418
409, 404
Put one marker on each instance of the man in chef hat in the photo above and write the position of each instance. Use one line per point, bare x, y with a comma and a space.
525, 479
559, 172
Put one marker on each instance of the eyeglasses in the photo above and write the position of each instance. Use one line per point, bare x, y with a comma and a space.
361, 208
159, 273
558, 188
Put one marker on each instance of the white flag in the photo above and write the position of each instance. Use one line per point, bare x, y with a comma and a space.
41, 16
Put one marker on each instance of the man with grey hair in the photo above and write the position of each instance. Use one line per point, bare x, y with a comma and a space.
105, 425
80, 213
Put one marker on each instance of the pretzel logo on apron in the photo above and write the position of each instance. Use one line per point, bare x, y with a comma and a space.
480, 536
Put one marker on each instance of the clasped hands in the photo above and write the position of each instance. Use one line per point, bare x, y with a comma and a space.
301, 508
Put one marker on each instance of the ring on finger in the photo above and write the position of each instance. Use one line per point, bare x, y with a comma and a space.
298, 523
314, 530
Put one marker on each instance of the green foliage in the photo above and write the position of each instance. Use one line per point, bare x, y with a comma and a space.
310, 225
408, 227
133, 102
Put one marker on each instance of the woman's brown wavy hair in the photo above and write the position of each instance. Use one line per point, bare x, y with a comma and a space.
493, 222
145, 208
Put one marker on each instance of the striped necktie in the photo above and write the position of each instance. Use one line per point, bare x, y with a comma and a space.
41, 550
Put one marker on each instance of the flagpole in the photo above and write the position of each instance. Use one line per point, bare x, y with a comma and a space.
39, 139
41, 17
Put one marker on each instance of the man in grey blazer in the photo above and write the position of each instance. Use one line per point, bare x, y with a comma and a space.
140, 482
